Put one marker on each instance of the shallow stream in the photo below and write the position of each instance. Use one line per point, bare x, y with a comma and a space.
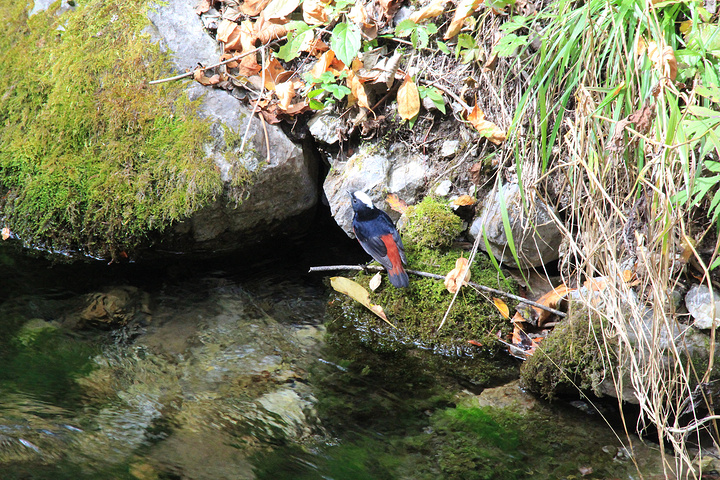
230, 371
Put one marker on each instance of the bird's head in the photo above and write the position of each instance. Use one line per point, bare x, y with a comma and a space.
360, 201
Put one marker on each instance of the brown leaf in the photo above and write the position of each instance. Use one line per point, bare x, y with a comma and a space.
357, 89
522, 345
464, 200
502, 307
227, 30
395, 203
280, 8
475, 172
458, 276
323, 64
253, 8
202, 7
266, 30
285, 92
248, 64
643, 118
228, 56
664, 59
463, 11
199, 76
314, 12
314, 47
408, 99
273, 71
6, 233
551, 299
491, 63
486, 128
431, 10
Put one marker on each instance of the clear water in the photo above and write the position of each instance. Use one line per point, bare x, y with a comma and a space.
228, 372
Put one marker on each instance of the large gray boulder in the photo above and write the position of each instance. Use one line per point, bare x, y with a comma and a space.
282, 192
377, 173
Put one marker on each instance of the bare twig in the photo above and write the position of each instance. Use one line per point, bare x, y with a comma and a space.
224, 62
330, 268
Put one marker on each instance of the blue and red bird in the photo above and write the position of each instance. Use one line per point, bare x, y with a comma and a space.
378, 236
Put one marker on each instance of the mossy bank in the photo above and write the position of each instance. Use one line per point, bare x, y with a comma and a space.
417, 312
91, 157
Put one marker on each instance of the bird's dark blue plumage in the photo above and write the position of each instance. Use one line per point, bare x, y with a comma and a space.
378, 236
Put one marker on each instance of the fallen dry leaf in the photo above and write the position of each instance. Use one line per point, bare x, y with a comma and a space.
502, 307
375, 281
285, 92
458, 276
199, 76
323, 64
266, 31
464, 200
664, 59
522, 345
395, 203
475, 172
202, 7
229, 33
253, 8
314, 46
314, 12
551, 299
408, 99
280, 8
6, 233
248, 64
486, 128
357, 89
643, 118
431, 10
463, 11
358, 293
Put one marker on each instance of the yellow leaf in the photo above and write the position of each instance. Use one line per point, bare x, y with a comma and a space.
464, 200
395, 203
458, 276
6, 233
358, 293
323, 64
408, 99
486, 128
431, 10
686, 27
464, 10
375, 281
502, 306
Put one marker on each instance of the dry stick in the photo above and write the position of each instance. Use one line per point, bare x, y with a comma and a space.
328, 268
224, 62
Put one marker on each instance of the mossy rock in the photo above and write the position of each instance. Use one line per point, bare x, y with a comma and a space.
569, 358
431, 224
91, 157
418, 310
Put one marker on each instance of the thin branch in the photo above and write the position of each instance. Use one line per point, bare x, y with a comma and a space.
224, 62
329, 268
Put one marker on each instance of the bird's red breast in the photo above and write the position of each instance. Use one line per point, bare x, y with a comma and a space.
393, 254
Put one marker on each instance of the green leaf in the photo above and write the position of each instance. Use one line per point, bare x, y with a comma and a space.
442, 46
509, 44
346, 42
405, 28
434, 95
299, 33
316, 105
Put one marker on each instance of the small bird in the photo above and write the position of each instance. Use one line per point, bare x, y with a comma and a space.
378, 236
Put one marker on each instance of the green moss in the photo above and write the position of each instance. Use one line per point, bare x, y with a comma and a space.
91, 157
431, 224
569, 358
418, 310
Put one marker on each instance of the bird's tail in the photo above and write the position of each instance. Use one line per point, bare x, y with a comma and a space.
398, 276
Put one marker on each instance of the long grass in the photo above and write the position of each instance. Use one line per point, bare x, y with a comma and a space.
625, 197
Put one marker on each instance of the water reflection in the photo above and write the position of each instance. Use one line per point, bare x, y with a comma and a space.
228, 376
